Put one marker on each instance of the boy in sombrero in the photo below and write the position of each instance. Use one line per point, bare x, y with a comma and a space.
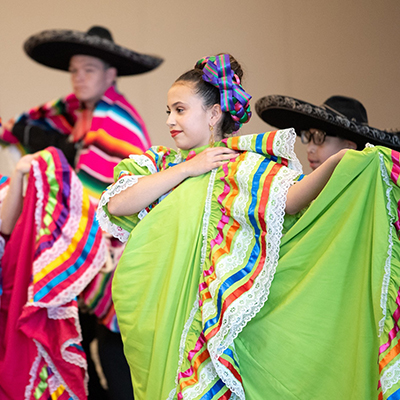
95, 127
339, 123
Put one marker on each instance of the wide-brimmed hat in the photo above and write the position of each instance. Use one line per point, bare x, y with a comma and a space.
340, 116
54, 48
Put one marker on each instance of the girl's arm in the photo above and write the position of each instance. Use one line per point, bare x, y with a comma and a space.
12, 205
150, 188
304, 192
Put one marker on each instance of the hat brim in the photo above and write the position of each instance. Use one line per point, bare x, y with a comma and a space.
54, 48
286, 112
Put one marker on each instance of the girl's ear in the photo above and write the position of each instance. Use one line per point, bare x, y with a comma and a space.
216, 113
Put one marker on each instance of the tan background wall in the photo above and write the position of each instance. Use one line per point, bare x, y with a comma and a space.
309, 49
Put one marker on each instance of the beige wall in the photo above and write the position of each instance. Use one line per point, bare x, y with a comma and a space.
309, 49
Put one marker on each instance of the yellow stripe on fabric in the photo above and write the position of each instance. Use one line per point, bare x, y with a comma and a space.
58, 392
103, 138
72, 246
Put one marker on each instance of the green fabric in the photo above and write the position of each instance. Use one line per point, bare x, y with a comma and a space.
317, 335
151, 336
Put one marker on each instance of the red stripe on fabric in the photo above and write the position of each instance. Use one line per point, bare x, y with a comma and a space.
233, 370
246, 286
226, 396
393, 332
70, 262
270, 142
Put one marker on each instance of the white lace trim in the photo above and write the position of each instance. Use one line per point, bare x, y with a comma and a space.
206, 375
387, 269
62, 312
390, 377
39, 193
77, 287
58, 378
238, 252
244, 309
104, 222
240, 312
2, 246
145, 161
63, 241
183, 341
3, 194
206, 219
33, 374
283, 146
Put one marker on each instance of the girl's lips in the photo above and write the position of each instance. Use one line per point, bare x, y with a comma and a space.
174, 133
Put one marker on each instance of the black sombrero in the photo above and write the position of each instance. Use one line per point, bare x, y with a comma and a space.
340, 116
54, 48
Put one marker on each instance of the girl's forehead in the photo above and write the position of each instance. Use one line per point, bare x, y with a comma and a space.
183, 91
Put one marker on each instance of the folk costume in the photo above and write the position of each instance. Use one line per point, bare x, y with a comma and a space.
54, 251
93, 142
220, 295
215, 302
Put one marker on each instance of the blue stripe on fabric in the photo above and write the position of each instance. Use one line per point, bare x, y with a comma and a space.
213, 391
156, 158
256, 249
300, 177
3, 179
395, 395
259, 148
116, 109
77, 346
73, 268
228, 351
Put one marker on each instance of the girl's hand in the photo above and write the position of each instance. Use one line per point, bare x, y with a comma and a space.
208, 159
24, 163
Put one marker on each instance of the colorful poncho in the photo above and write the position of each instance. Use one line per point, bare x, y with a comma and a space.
117, 131
214, 303
55, 250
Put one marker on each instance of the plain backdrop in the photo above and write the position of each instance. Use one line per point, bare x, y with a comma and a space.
309, 49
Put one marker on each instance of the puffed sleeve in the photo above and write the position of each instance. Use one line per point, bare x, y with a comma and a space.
126, 174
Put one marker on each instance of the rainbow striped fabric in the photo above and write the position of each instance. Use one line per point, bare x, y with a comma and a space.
117, 131
58, 246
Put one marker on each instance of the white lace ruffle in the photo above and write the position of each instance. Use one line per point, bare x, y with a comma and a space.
104, 222
240, 312
57, 378
145, 161
62, 312
284, 147
185, 331
195, 308
390, 377
387, 269
77, 287
39, 195
69, 229
33, 374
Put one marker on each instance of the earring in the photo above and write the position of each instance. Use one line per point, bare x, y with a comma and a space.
212, 140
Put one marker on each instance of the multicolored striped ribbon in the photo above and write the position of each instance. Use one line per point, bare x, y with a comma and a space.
217, 71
